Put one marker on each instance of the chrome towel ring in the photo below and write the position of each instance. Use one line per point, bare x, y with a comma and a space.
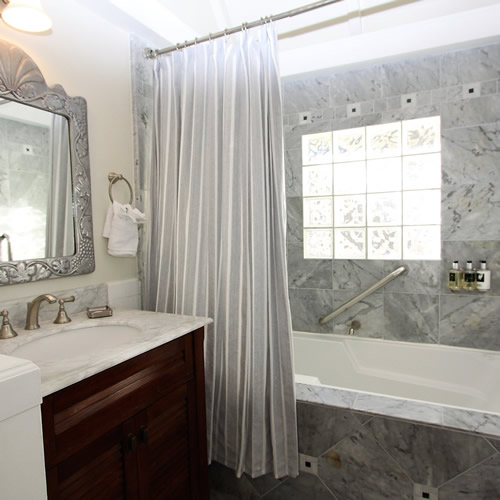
112, 177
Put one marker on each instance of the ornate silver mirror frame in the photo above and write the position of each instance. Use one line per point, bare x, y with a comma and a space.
22, 81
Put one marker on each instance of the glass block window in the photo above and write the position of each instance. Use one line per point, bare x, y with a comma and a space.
373, 192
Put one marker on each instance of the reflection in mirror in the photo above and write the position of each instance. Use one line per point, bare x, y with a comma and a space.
35, 184
45, 199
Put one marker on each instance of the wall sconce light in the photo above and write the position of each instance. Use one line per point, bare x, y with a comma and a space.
26, 15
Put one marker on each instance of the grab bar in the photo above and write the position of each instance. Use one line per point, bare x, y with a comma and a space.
377, 286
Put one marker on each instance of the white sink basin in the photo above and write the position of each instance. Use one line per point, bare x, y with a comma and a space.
77, 342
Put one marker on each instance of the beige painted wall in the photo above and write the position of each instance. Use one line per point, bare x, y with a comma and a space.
90, 58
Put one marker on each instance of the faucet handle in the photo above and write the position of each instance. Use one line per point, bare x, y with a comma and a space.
62, 316
6, 332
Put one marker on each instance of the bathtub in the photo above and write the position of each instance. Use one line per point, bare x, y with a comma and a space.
451, 386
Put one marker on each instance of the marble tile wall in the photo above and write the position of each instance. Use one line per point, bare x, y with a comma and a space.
362, 456
142, 105
27, 192
418, 307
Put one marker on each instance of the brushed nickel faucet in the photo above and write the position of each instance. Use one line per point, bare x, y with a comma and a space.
33, 308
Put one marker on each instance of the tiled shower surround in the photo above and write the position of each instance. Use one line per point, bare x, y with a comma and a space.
364, 456
16, 192
418, 307
142, 102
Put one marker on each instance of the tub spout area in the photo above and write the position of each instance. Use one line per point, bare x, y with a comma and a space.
355, 326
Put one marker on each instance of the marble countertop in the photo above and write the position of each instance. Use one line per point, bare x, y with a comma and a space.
155, 329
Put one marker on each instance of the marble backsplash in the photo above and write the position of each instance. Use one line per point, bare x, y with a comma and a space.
124, 293
463, 87
90, 296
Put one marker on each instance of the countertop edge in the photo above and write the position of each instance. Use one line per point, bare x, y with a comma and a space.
156, 329
481, 422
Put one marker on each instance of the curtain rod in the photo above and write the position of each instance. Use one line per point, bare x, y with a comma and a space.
152, 53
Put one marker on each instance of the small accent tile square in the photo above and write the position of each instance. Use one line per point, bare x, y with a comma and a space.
471, 90
353, 109
408, 100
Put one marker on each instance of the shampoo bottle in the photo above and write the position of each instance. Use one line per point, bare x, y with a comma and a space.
483, 277
469, 277
455, 277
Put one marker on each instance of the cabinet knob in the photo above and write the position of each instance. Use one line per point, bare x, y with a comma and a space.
144, 434
132, 443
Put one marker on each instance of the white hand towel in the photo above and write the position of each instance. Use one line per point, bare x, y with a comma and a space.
121, 229
107, 223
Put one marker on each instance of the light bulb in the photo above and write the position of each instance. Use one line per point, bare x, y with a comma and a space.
26, 15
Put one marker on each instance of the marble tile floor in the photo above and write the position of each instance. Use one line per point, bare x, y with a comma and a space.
225, 486
367, 457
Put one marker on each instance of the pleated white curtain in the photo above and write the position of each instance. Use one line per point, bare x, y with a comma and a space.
60, 239
218, 239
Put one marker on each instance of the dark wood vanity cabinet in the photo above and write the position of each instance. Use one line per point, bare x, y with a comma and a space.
135, 431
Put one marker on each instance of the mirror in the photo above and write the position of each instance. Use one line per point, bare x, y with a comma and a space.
45, 203
35, 184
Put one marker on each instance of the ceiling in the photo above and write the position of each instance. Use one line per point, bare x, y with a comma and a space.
346, 34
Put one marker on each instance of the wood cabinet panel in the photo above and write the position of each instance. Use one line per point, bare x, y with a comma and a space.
165, 461
136, 430
97, 471
81, 412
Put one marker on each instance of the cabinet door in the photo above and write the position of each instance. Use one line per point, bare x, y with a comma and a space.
164, 458
105, 469
97, 471
77, 415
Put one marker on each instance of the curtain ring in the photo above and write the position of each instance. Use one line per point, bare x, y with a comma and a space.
210, 37
196, 41
177, 46
185, 44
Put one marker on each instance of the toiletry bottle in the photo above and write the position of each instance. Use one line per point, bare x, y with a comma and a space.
455, 277
469, 277
483, 277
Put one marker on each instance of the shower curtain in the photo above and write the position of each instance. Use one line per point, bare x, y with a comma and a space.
218, 239
59, 238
